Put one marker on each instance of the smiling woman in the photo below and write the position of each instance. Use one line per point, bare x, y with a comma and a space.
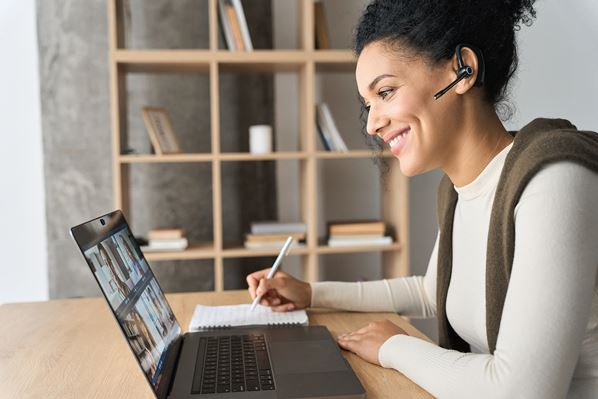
512, 278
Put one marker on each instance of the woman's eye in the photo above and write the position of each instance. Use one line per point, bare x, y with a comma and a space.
384, 93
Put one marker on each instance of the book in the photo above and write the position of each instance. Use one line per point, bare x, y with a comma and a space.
269, 244
273, 237
166, 245
206, 317
321, 28
160, 131
226, 27
326, 140
243, 25
233, 20
356, 236
166, 233
329, 127
277, 228
357, 227
348, 241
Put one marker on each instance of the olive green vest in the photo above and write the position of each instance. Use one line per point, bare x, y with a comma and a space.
541, 142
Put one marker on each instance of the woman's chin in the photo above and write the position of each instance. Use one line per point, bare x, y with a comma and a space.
410, 169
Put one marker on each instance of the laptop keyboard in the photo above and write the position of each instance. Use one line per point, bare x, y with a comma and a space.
236, 363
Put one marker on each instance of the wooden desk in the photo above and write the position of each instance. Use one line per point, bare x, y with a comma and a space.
73, 349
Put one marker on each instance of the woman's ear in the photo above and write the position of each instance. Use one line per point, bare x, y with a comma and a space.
469, 59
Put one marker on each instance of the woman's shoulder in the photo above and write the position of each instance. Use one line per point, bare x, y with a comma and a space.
567, 181
543, 136
545, 142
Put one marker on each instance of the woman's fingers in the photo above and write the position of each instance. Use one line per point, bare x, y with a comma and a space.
253, 281
350, 341
286, 307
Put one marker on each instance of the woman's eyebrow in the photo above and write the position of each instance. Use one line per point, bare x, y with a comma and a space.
379, 78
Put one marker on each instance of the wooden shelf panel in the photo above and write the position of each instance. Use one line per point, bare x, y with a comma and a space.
243, 156
199, 60
194, 251
238, 251
325, 249
351, 154
168, 158
207, 251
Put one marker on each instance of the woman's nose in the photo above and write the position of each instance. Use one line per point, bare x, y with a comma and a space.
376, 121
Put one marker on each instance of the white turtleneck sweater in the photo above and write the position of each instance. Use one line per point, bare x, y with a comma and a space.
547, 345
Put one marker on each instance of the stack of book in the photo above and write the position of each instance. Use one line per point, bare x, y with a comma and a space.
272, 235
326, 127
357, 233
234, 25
166, 239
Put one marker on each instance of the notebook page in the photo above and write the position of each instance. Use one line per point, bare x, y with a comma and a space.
241, 315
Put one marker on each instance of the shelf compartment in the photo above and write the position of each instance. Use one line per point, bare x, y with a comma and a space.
168, 158
194, 251
141, 24
178, 94
248, 100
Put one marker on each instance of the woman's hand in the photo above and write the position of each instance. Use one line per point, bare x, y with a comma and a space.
283, 292
366, 342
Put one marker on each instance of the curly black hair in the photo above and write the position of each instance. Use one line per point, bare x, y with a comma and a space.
434, 28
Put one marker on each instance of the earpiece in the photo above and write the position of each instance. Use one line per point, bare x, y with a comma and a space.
465, 71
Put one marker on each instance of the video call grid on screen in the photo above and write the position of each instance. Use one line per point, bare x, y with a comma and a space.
135, 297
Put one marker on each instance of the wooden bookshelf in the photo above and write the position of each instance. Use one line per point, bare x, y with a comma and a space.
306, 62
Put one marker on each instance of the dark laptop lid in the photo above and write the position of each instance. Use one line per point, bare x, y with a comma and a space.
133, 294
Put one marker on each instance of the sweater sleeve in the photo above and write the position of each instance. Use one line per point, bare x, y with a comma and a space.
410, 296
547, 306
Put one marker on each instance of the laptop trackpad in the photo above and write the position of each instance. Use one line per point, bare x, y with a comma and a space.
306, 357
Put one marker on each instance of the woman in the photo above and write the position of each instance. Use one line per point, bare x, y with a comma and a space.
512, 277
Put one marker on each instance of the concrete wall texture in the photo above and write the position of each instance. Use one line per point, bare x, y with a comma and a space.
73, 43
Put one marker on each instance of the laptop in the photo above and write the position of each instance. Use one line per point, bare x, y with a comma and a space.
237, 362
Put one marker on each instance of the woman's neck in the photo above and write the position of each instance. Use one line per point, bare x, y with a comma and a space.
481, 139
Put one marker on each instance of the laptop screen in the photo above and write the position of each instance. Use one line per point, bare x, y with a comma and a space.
138, 303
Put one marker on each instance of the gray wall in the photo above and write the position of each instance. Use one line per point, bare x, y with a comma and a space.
73, 45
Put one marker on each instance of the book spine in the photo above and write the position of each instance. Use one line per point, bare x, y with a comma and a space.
165, 234
243, 24
150, 130
326, 142
322, 42
180, 243
235, 26
278, 228
336, 136
274, 237
322, 122
224, 23
348, 242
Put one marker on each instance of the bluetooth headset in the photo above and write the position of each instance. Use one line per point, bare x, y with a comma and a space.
465, 71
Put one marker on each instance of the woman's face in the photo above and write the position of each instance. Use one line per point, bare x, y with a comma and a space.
399, 91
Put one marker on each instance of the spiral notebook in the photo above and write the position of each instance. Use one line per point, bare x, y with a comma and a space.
242, 315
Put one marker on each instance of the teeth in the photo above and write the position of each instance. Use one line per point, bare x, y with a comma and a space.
396, 140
